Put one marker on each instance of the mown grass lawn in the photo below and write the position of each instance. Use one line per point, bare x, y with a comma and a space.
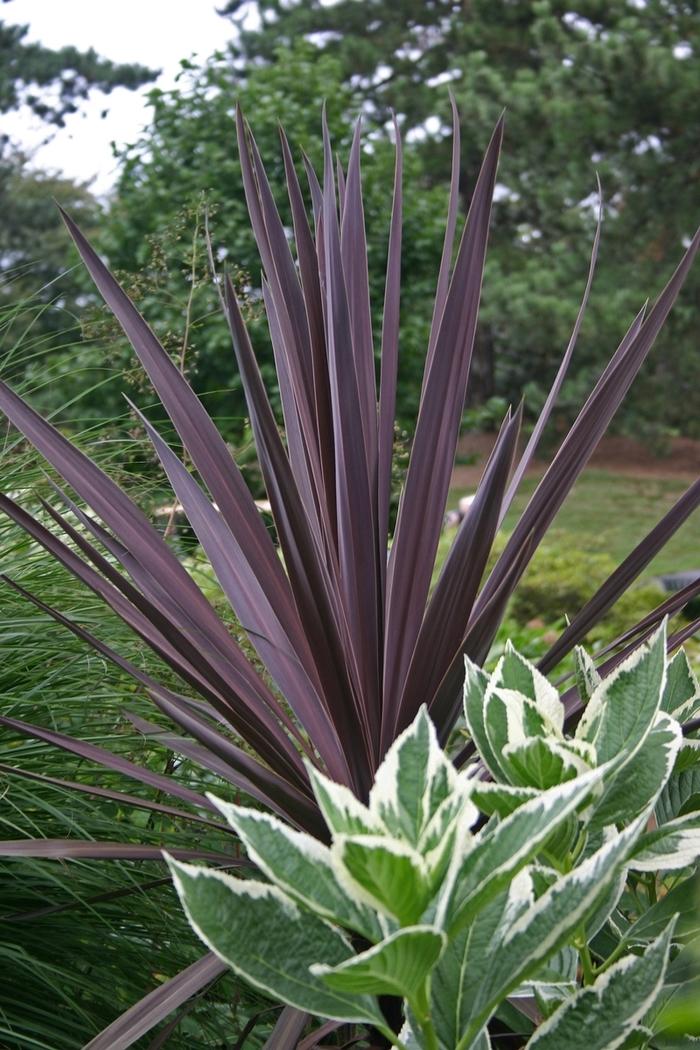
611, 512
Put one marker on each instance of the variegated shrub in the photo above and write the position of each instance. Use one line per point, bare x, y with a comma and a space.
509, 889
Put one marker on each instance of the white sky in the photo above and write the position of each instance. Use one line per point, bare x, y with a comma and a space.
154, 33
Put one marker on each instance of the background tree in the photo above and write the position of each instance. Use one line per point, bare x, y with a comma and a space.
589, 84
37, 264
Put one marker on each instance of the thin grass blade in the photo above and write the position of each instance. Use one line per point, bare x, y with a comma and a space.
75, 849
113, 796
156, 1006
96, 898
93, 753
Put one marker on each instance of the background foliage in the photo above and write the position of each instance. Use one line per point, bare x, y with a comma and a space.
587, 86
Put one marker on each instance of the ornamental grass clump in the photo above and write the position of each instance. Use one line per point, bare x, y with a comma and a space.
353, 640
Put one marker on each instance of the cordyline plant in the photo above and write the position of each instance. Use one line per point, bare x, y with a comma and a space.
352, 639
455, 914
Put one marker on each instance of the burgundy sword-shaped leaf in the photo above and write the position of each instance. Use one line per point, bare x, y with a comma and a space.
158, 1004
434, 445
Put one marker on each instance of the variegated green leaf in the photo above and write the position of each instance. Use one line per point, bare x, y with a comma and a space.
587, 677
543, 876
549, 997
688, 755
300, 865
515, 672
545, 927
262, 935
384, 873
682, 900
676, 1018
456, 978
623, 708
437, 860
413, 781
561, 969
501, 799
640, 1038
476, 683
563, 839
606, 905
541, 762
681, 697
458, 805
398, 965
342, 811
673, 846
604, 1015
477, 877
640, 782
503, 722
482, 1041
681, 795
409, 1038
515, 726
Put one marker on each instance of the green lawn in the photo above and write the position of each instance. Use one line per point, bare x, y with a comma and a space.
612, 512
